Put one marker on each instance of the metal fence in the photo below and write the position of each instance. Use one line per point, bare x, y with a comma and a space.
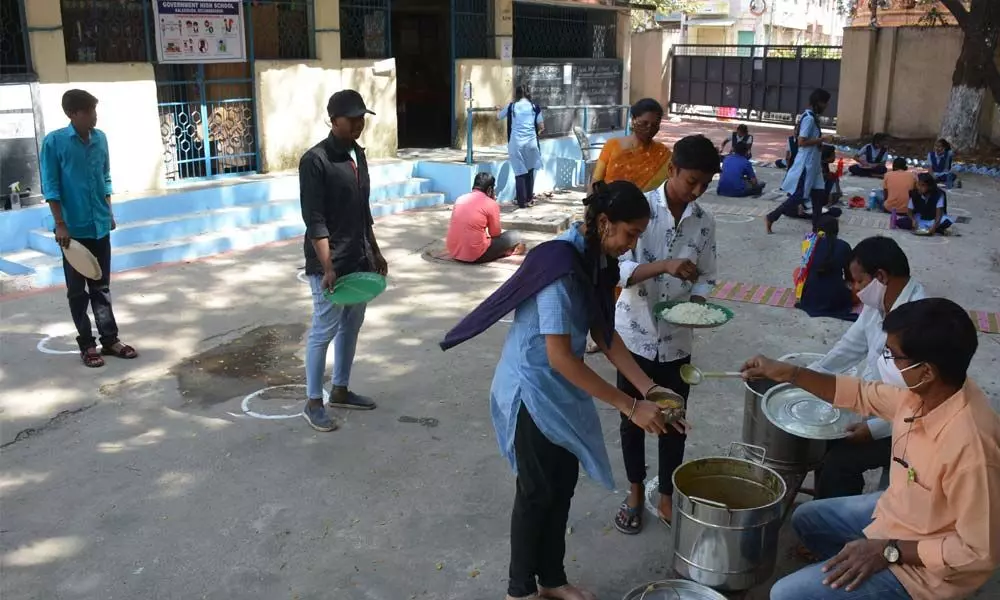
122, 30
15, 62
763, 83
474, 32
544, 31
364, 29
207, 120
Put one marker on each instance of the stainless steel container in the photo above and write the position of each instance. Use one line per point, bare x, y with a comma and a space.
673, 589
727, 513
785, 452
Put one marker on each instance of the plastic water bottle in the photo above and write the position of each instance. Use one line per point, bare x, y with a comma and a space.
892, 219
872, 200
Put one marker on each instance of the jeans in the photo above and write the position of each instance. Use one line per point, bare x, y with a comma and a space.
844, 466
500, 246
546, 478
82, 292
670, 446
824, 527
330, 323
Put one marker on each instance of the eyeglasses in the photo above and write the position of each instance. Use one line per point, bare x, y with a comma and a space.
888, 355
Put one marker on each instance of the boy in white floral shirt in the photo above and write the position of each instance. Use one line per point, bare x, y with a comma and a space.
674, 260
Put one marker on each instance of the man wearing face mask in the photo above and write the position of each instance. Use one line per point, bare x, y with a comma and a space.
881, 279
933, 534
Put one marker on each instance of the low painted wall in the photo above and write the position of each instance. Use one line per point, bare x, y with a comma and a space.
492, 85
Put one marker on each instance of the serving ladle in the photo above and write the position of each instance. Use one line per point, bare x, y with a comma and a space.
692, 375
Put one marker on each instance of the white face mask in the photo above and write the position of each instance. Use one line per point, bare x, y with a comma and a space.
893, 375
873, 295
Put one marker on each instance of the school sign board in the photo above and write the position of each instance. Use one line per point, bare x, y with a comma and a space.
199, 31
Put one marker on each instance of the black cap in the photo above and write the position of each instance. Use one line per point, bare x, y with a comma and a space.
347, 103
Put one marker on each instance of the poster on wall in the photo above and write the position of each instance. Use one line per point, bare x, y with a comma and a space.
199, 31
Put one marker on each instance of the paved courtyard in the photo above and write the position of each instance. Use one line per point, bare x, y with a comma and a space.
170, 477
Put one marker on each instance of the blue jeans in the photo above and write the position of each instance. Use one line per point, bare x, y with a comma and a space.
824, 527
330, 323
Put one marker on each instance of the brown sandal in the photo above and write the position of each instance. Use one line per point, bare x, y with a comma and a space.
123, 351
91, 358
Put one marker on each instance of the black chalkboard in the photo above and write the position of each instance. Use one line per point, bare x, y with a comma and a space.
592, 81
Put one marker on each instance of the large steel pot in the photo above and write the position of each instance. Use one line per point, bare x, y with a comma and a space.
785, 452
727, 513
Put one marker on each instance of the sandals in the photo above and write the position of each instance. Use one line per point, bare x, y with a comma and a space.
628, 520
91, 359
124, 351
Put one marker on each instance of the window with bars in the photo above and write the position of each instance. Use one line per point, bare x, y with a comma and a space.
474, 33
544, 31
106, 30
283, 29
15, 60
364, 29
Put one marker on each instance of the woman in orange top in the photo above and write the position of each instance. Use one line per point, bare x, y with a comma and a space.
897, 185
636, 157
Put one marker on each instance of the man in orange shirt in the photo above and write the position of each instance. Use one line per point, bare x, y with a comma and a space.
897, 185
474, 232
934, 534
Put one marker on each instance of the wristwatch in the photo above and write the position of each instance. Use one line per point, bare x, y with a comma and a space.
891, 552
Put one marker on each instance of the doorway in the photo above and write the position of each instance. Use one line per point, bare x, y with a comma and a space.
421, 43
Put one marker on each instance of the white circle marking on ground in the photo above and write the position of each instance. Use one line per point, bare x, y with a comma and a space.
927, 240
44, 349
245, 405
966, 193
959, 212
734, 219
301, 276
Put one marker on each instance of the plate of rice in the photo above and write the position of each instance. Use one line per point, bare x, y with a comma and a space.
693, 314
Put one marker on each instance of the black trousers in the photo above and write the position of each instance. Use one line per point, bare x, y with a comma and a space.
546, 478
83, 292
844, 466
790, 207
524, 186
859, 171
500, 246
670, 445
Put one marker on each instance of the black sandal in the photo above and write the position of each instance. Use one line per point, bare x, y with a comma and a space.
628, 520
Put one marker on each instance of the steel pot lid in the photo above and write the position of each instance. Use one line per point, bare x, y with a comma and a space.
796, 411
673, 589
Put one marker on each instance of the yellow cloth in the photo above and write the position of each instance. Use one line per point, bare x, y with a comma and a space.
623, 160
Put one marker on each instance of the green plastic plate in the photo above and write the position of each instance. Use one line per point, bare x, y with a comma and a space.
356, 288
660, 308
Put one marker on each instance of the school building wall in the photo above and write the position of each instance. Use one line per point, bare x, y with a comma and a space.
650, 65
897, 80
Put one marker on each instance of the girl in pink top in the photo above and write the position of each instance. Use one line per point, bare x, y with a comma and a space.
474, 234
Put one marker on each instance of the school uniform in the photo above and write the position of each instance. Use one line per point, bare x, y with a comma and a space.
940, 166
523, 151
874, 157
805, 177
546, 427
924, 210
737, 173
745, 139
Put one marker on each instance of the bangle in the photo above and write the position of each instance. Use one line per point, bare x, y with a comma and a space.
631, 413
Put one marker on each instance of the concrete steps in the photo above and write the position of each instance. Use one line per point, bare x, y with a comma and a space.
190, 225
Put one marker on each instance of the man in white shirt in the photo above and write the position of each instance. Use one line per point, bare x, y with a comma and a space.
674, 259
881, 275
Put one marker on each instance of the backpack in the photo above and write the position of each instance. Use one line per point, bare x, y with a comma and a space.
510, 116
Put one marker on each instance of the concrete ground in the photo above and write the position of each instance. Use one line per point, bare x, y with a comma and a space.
146, 479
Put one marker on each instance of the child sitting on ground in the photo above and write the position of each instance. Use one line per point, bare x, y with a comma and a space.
742, 134
927, 211
738, 179
939, 164
871, 158
896, 187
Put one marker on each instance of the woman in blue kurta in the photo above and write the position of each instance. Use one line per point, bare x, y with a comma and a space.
524, 123
542, 394
805, 177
